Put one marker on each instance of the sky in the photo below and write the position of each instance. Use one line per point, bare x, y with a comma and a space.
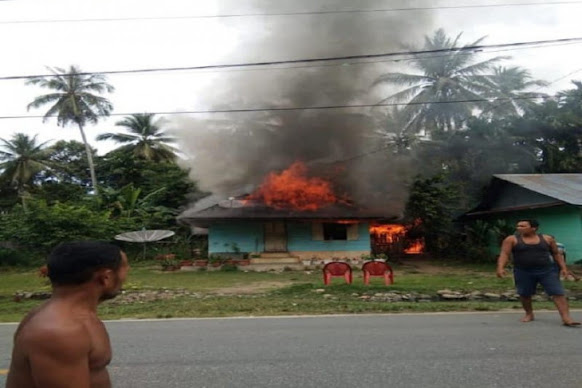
166, 38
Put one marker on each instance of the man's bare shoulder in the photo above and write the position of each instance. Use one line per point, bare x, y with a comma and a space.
49, 331
510, 239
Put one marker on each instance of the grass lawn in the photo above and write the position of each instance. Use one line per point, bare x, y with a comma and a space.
151, 293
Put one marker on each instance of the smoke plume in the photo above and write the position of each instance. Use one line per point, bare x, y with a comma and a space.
229, 151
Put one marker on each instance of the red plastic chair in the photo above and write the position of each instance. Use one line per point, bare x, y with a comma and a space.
378, 268
337, 269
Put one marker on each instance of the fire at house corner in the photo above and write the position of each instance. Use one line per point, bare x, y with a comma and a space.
392, 237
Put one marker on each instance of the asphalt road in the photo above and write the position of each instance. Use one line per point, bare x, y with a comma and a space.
402, 350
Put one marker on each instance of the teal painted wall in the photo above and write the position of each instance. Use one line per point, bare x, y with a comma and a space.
563, 222
299, 239
249, 237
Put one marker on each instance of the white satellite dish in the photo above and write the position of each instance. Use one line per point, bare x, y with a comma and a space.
145, 236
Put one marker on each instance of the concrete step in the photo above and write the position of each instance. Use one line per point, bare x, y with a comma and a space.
274, 255
272, 267
275, 260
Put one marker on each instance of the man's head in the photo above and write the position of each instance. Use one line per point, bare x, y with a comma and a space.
527, 227
86, 262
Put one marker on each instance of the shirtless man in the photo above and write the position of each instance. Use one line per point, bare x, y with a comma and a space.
532, 265
62, 343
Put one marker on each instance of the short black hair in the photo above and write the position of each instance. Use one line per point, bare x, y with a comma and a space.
75, 262
533, 223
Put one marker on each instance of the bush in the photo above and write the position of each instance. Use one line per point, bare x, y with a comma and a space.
12, 257
229, 268
40, 227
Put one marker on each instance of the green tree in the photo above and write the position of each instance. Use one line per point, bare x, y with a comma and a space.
145, 139
67, 180
571, 99
74, 99
22, 158
8, 194
129, 203
510, 94
39, 226
432, 205
392, 131
441, 79
69, 162
120, 169
472, 155
554, 130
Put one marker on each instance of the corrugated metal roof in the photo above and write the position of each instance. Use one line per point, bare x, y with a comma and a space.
564, 187
261, 212
265, 212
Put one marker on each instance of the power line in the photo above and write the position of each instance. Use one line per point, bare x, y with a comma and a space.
379, 61
302, 108
562, 77
313, 60
305, 13
358, 63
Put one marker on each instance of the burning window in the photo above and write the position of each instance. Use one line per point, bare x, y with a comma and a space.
333, 231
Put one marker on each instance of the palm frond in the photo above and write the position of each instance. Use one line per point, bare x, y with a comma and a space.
117, 137
402, 79
44, 99
481, 66
403, 95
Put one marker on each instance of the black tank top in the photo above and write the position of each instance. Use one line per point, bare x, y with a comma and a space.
531, 255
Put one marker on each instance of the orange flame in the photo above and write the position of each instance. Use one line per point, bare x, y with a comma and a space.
417, 247
388, 233
293, 189
391, 233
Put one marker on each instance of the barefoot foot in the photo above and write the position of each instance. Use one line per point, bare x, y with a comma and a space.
527, 318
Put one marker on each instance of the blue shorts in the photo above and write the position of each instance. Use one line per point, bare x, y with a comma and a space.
527, 279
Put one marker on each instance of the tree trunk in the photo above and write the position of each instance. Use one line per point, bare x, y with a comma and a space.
89, 160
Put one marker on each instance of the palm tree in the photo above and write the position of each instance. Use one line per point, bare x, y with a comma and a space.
73, 101
509, 93
391, 130
572, 98
21, 158
442, 79
145, 139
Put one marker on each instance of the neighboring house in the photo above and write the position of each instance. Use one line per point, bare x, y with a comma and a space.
555, 200
236, 225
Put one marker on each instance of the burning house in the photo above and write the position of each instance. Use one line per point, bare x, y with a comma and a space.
325, 207
290, 215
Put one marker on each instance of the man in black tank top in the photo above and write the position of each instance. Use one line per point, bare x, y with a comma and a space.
532, 265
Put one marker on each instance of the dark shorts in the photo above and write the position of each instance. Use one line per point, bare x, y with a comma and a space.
527, 279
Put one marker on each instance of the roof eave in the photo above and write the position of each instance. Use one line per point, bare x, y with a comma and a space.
513, 209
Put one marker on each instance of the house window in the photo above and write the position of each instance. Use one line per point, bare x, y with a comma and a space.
335, 231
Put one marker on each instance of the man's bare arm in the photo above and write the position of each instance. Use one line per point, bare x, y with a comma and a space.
503, 259
59, 358
558, 257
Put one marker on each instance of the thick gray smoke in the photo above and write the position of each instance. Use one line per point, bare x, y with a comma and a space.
230, 151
